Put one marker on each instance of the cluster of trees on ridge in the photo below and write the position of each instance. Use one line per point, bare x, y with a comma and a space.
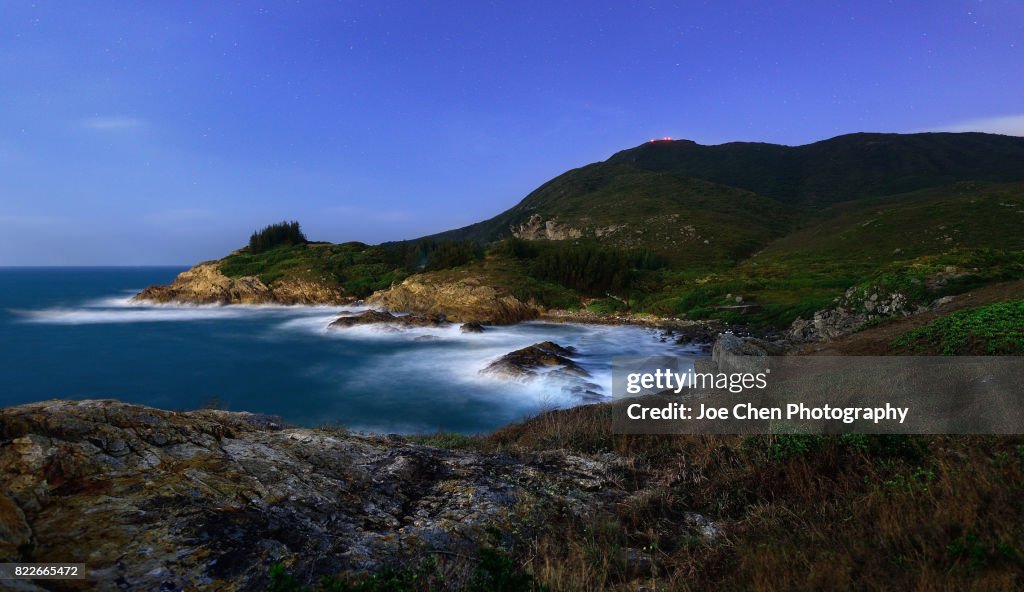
276, 235
590, 269
433, 255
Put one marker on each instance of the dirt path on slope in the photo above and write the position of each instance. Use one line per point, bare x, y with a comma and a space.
876, 341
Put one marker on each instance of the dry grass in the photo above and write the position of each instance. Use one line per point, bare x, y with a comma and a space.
821, 513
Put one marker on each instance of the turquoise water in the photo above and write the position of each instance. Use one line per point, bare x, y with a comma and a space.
71, 333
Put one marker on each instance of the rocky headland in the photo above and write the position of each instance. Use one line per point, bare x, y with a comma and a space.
206, 284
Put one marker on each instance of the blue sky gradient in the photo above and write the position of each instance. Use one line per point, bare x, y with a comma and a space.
164, 133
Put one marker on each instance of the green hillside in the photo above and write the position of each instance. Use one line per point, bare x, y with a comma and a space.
356, 268
692, 222
642, 182
745, 232
925, 244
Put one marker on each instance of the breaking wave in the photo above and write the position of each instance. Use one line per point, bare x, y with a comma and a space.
286, 360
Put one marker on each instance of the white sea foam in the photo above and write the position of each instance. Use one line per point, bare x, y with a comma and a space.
456, 358
403, 357
122, 309
84, 316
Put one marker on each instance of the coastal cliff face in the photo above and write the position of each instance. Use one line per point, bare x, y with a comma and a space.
158, 500
206, 284
461, 300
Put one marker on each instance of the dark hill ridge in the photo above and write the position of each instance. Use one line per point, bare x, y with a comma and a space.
754, 185
841, 168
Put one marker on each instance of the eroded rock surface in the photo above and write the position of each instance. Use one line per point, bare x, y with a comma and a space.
524, 363
203, 500
536, 228
852, 311
205, 284
461, 301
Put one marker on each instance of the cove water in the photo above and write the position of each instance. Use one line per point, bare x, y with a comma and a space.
72, 333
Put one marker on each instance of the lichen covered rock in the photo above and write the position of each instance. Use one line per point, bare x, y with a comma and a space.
158, 500
852, 311
536, 228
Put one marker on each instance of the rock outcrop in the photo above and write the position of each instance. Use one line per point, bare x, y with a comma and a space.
208, 500
472, 327
524, 363
853, 310
536, 228
460, 300
732, 353
550, 361
377, 317
205, 284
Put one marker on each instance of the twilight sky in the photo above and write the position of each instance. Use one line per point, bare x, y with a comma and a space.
164, 133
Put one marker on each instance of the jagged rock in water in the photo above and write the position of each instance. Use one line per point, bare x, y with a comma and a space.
373, 317
585, 391
524, 363
472, 327
208, 500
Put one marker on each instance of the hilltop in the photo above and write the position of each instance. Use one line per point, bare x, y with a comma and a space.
672, 175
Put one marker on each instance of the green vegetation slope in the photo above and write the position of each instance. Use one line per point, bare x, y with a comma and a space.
745, 232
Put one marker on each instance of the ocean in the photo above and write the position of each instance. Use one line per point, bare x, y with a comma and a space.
72, 333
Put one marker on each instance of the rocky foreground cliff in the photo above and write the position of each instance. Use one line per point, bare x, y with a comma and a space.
158, 500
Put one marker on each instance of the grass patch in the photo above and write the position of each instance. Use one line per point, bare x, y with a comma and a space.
795, 511
995, 329
492, 569
449, 440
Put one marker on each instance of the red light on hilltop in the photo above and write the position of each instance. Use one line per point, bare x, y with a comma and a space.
665, 139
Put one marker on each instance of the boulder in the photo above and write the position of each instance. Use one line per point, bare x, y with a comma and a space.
732, 353
524, 363
472, 327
